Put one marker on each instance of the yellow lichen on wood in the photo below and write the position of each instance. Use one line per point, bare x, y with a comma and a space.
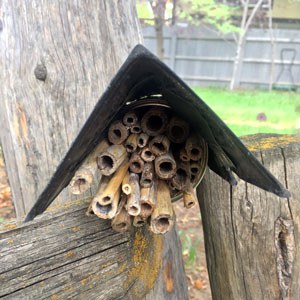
265, 141
146, 261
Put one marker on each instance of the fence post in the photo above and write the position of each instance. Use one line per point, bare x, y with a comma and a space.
251, 236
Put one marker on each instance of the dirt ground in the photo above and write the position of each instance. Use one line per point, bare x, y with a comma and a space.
190, 232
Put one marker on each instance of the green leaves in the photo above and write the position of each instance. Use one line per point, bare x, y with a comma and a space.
208, 12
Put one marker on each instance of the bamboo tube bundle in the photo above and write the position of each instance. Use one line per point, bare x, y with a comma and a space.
150, 158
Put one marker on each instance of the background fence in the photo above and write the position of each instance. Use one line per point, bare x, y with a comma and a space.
201, 57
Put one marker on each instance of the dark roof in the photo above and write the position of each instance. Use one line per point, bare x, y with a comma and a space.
141, 75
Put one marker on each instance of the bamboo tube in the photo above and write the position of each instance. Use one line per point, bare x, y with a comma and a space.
89, 212
122, 203
107, 211
121, 222
178, 130
110, 159
136, 129
154, 122
195, 170
183, 155
182, 176
165, 166
147, 154
126, 188
130, 119
136, 163
133, 201
84, 176
147, 175
159, 145
131, 143
148, 200
113, 185
193, 148
101, 187
138, 221
143, 140
189, 197
162, 218
117, 133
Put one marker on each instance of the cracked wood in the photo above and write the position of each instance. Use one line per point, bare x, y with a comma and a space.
251, 236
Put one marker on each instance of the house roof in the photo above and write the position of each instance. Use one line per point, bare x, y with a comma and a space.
143, 75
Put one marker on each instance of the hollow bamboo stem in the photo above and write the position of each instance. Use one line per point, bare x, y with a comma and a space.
147, 154
130, 118
138, 221
148, 200
183, 155
84, 176
110, 159
113, 185
182, 177
136, 129
178, 130
165, 166
133, 201
193, 147
126, 188
117, 133
107, 211
147, 175
154, 122
121, 222
162, 218
136, 163
159, 145
142, 139
189, 197
195, 168
131, 143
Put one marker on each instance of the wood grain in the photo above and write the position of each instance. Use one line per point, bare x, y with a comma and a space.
252, 237
66, 255
81, 46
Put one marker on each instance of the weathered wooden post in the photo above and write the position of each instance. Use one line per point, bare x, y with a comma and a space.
252, 237
56, 59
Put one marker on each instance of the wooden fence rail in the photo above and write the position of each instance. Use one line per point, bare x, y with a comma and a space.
67, 255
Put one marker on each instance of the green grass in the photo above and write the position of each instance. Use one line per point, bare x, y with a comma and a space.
239, 110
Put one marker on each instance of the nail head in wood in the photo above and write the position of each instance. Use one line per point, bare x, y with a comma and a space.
40, 72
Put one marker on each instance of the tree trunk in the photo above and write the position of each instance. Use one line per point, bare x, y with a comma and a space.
56, 60
159, 9
252, 237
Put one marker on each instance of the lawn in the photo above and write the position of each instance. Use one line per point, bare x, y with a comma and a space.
249, 112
